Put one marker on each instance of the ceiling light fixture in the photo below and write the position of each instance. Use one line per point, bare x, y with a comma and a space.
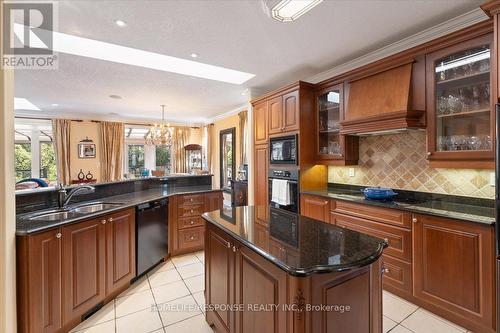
194, 55
90, 48
290, 10
115, 96
24, 104
160, 134
54, 104
121, 23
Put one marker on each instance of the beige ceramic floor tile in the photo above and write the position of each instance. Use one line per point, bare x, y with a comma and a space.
107, 313
423, 321
400, 329
397, 308
107, 327
178, 310
160, 278
169, 292
191, 270
196, 284
388, 324
138, 286
199, 297
192, 325
201, 255
184, 260
144, 321
134, 303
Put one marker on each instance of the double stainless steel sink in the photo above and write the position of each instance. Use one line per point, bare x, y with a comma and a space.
73, 211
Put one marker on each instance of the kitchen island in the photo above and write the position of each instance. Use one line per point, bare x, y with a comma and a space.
290, 274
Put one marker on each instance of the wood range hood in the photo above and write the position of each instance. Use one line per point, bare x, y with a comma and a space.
386, 102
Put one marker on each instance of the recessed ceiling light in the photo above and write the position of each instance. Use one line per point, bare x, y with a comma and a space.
115, 96
121, 23
54, 104
194, 55
90, 48
290, 10
24, 104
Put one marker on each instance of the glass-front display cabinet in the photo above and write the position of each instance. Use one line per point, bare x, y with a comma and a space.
460, 108
330, 111
193, 158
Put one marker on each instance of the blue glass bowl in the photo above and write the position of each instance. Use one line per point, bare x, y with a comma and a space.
378, 193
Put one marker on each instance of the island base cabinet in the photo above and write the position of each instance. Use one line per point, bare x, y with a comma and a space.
262, 297
454, 271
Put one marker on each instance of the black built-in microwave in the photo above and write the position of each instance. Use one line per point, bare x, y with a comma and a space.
283, 150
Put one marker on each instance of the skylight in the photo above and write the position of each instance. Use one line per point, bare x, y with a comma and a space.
24, 104
95, 49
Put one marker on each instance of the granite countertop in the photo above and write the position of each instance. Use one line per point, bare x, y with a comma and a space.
310, 246
470, 211
25, 226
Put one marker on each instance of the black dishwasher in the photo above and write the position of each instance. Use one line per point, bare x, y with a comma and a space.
151, 234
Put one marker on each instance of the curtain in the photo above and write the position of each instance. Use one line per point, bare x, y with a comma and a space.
207, 141
179, 140
243, 117
112, 140
61, 129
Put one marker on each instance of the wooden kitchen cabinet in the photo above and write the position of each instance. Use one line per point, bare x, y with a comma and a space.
260, 115
83, 267
330, 144
454, 270
315, 207
64, 273
39, 282
275, 107
460, 115
261, 170
186, 226
120, 251
284, 113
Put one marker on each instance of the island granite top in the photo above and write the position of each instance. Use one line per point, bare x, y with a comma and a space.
310, 246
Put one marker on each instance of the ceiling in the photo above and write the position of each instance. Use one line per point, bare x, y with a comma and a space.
234, 34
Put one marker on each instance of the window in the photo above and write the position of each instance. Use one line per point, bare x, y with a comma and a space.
23, 161
34, 150
135, 159
48, 161
163, 158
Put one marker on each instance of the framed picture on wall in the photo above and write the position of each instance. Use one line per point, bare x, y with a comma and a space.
86, 149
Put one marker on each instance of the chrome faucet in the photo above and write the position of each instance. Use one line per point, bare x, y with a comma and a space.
64, 197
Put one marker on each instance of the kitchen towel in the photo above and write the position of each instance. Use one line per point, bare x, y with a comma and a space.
281, 192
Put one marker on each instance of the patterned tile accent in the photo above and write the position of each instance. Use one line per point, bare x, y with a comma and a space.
398, 161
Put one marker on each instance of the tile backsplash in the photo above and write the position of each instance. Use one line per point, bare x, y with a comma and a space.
399, 161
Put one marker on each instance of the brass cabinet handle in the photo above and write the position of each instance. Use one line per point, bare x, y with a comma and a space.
110, 219
385, 270
234, 248
191, 199
192, 210
414, 220
191, 238
103, 221
386, 240
228, 245
58, 235
191, 222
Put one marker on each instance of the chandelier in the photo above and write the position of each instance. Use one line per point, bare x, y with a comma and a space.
160, 134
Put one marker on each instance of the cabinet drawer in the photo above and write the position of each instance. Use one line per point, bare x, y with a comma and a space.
192, 199
192, 237
399, 239
397, 273
191, 210
384, 215
188, 222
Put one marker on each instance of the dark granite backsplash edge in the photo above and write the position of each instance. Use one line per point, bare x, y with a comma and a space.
421, 196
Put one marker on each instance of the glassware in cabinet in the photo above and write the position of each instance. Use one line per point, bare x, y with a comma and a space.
330, 108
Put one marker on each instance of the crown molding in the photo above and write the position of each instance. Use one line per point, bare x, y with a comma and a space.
229, 113
460, 22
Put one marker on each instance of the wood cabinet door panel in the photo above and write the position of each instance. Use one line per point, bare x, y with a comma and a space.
120, 250
260, 113
191, 238
454, 266
291, 111
397, 274
315, 207
83, 267
399, 239
253, 270
383, 215
188, 222
191, 210
261, 184
213, 201
275, 107
191, 199
39, 283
